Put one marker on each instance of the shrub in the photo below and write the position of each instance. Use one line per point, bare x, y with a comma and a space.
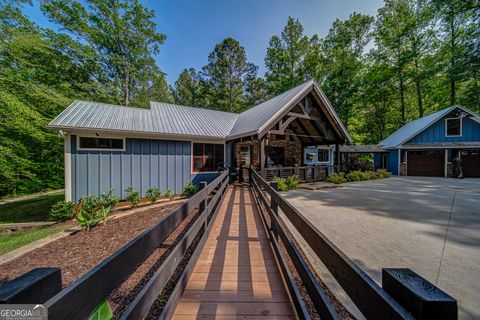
169, 194
382, 173
292, 182
281, 184
190, 190
88, 214
152, 194
108, 199
62, 211
336, 178
354, 176
133, 196
92, 209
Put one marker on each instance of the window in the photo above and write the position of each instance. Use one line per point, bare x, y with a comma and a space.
323, 155
207, 157
89, 143
275, 156
453, 127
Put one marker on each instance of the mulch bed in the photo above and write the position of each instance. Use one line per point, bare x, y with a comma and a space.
78, 253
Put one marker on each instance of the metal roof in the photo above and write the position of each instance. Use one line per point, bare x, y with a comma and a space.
160, 118
176, 120
362, 148
411, 129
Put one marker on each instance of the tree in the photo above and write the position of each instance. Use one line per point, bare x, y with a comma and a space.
188, 90
343, 61
256, 92
227, 74
291, 58
123, 34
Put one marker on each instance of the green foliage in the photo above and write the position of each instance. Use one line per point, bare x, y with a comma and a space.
382, 173
292, 182
190, 190
62, 211
102, 312
281, 184
169, 194
92, 209
133, 196
227, 75
152, 194
108, 199
13, 240
336, 178
354, 176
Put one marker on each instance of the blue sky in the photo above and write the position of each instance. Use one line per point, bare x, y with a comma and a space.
194, 27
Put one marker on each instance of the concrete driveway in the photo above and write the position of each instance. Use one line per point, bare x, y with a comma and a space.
430, 225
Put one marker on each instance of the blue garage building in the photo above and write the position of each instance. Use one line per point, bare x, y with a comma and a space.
427, 146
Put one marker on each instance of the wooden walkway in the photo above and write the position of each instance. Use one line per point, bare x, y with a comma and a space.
236, 276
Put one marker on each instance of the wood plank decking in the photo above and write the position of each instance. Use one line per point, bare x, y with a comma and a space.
236, 276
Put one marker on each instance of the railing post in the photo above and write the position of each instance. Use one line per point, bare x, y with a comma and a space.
203, 204
34, 287
274, 208
420, 297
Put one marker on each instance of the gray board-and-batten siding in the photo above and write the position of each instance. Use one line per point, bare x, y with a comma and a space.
145, 163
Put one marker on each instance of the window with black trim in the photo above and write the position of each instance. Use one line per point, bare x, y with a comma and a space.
275, 156
100, 143
453, 127
207, 157
323, 155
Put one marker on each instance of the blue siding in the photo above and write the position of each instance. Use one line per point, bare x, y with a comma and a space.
436, 133
145, 163
392, 162
377, 161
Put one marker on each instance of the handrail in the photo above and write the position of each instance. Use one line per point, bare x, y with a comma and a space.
77, 300
368, 296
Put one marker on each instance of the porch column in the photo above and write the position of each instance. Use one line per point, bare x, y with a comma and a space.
261, 153
337, 157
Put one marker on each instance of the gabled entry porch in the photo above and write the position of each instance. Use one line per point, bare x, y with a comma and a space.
283, 145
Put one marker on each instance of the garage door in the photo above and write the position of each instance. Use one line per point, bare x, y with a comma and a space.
426, 163
471, 163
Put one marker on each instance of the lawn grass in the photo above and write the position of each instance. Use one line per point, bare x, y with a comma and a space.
14, 240
35, 209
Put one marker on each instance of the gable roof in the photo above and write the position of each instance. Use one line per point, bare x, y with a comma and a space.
411, 129
175, 120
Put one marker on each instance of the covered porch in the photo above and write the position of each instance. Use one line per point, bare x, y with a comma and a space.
302, 140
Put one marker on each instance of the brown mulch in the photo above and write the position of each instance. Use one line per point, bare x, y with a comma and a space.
123, 296
78, 253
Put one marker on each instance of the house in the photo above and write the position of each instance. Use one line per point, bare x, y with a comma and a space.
426, 146
168, 146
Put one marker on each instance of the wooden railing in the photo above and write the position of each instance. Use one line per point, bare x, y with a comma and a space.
304, 174
369, 297
77, 300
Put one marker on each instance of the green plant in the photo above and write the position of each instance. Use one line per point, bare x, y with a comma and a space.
336, 178
292, 182
357, 176
133, 196
281, 184
102, 312
108, 199
382, 173
152, 194
62, 211
169, 194
190, 190
87, 215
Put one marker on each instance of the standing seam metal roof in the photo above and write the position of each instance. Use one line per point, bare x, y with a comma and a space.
411, 129
171, 119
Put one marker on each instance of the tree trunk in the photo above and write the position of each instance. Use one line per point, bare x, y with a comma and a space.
418, 88
126, 93
452, 58
402, 97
